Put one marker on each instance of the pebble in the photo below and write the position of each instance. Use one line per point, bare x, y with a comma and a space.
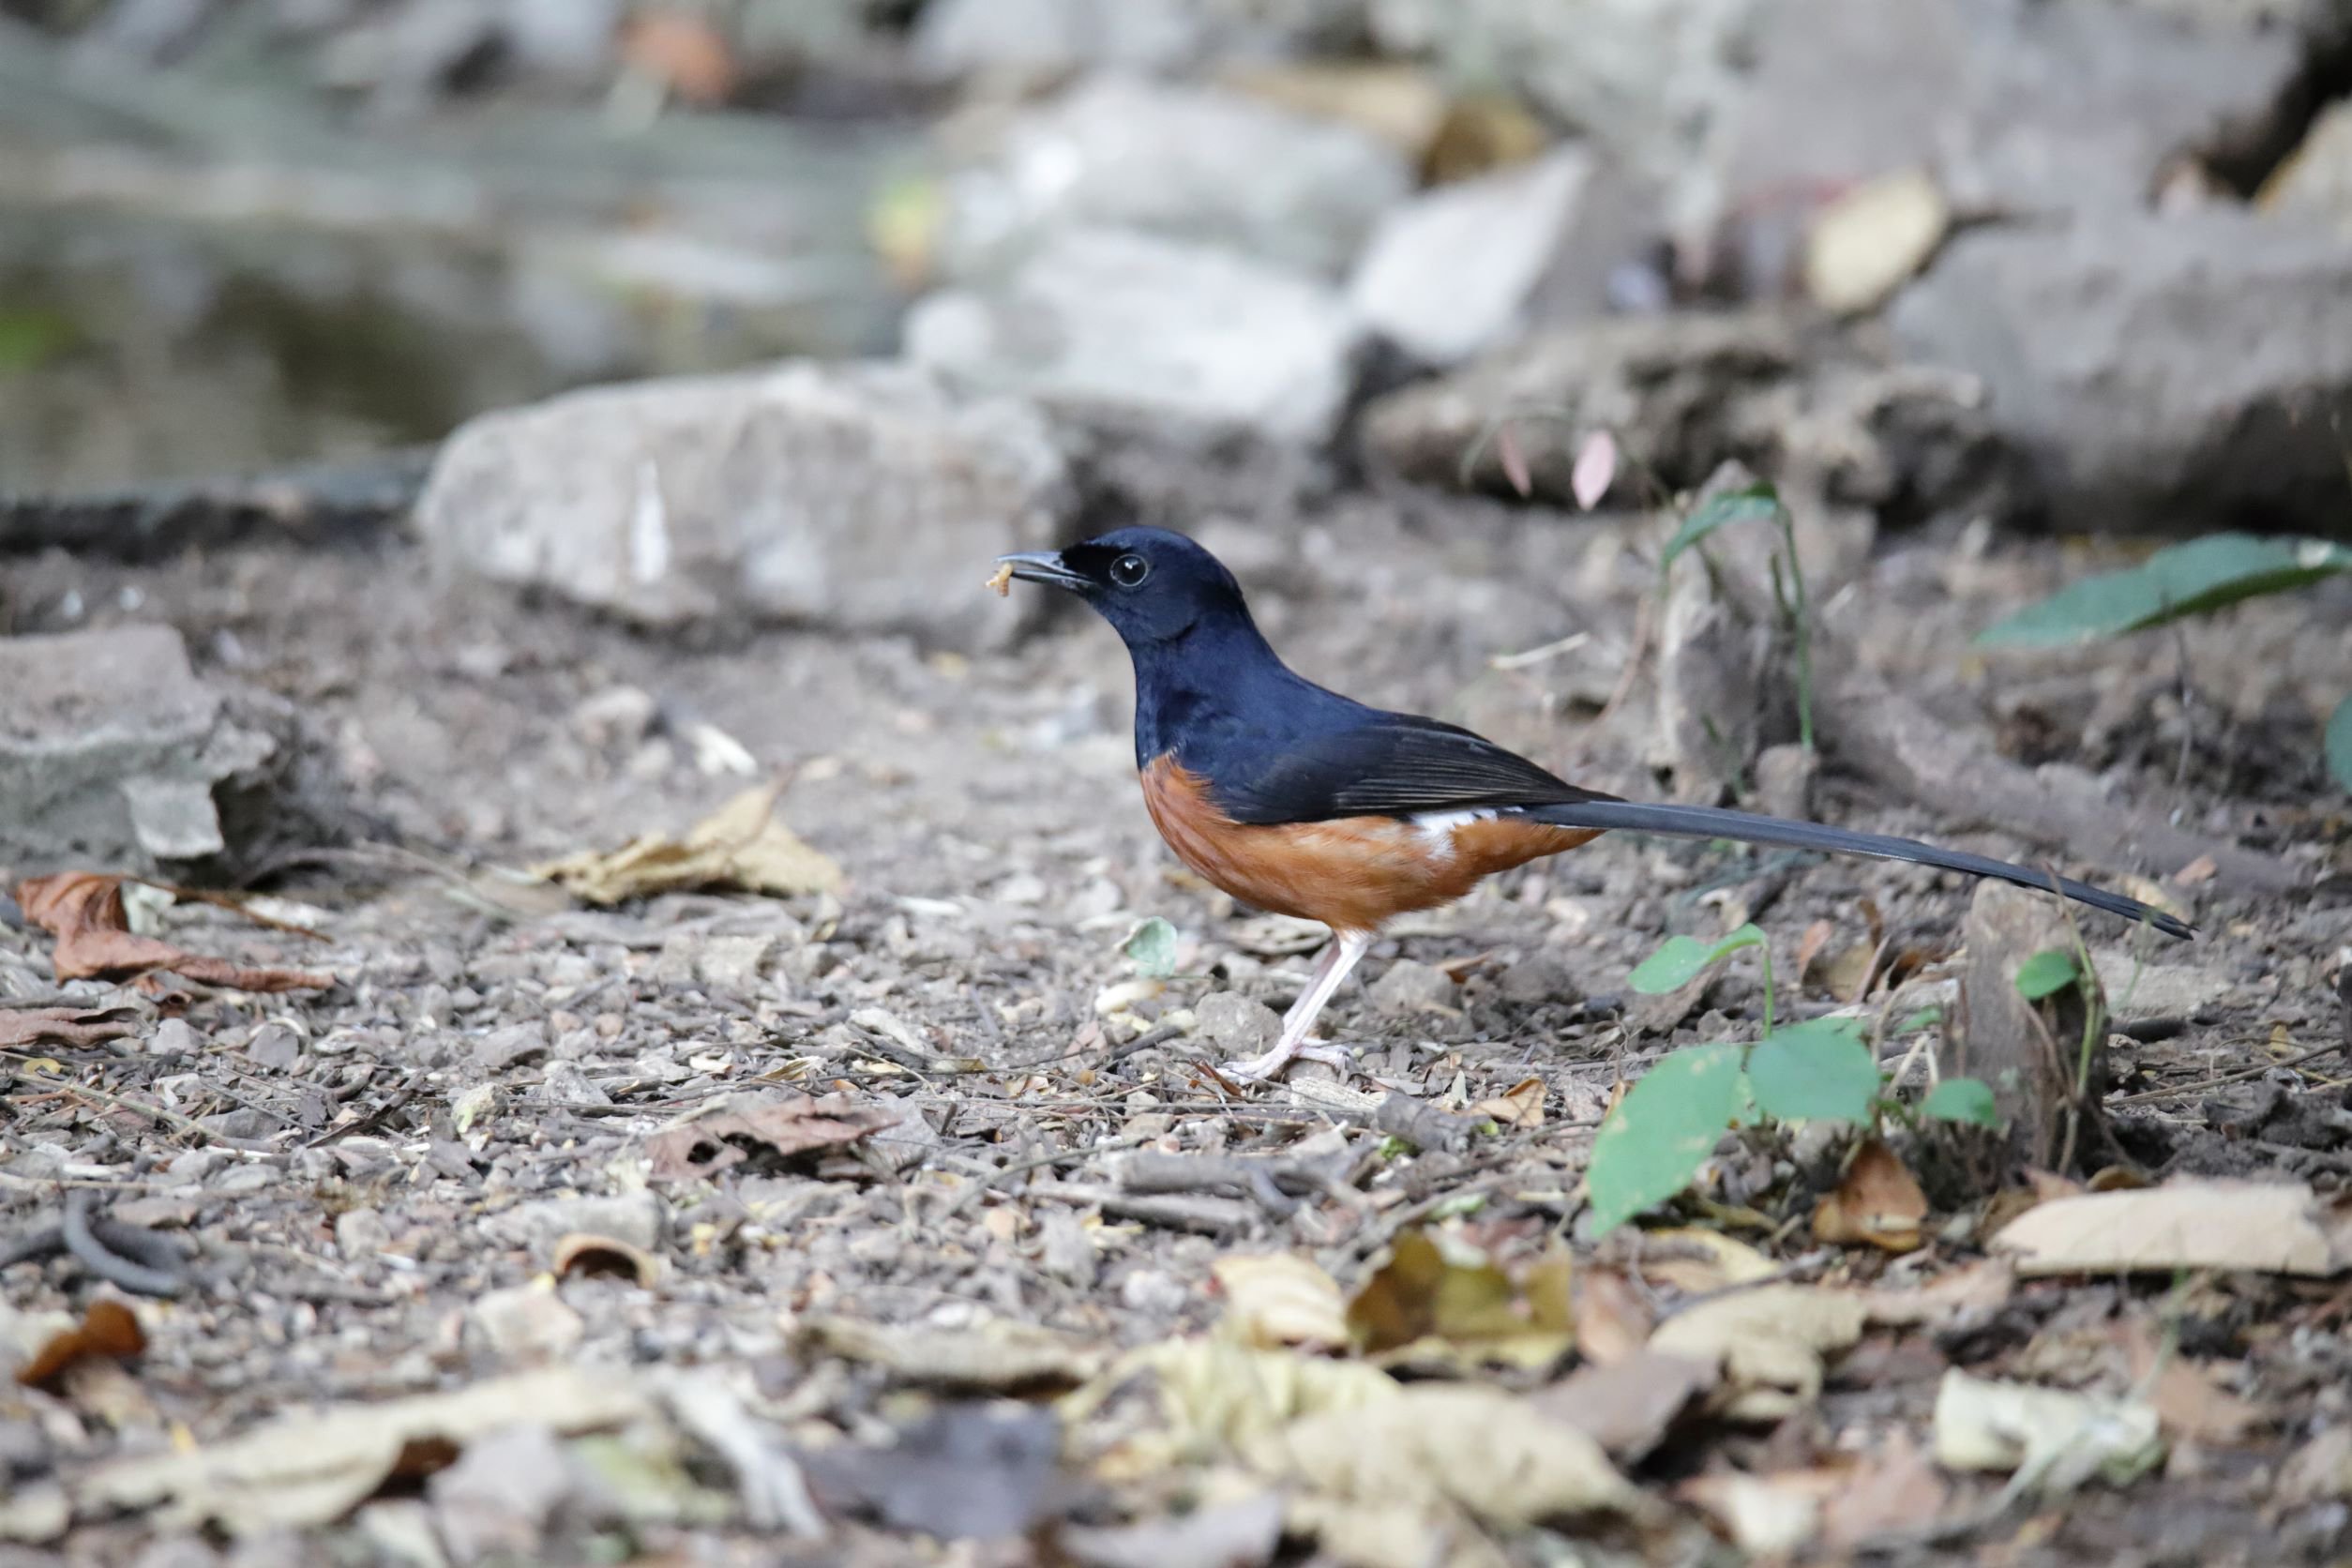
1236, 1025
505, 1048
361, 1233
1410, 987
173, 1037
636, 1218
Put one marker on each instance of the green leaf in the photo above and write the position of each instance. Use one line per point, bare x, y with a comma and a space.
29, 338
1926, 1018
2340, 744
2048, 972
2182, 580
1663, 1130
1819, 1071
1680, 959
1962, 1099
1748, 503
1151, 948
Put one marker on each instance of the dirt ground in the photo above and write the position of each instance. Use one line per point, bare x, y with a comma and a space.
374, 1176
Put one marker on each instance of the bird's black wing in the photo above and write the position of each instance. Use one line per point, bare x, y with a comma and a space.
1387, 764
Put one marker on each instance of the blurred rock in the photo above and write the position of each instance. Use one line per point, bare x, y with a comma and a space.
1044, 38
2011, 105
504, 1495
855, 495
1450, 272
1410, 988
1105, 323
1644, 77
1232, 1024
1783, 781
1668, 388
1188, 163
2156, 372
2316, 178
113, 751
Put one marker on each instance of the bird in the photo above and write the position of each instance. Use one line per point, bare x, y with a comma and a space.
1297, 800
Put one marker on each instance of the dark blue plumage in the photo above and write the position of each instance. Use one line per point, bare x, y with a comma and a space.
1270, 748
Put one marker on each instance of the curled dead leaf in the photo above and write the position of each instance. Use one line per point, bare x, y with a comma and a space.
1431, 1306
994, 1355
1771, 1341
83, 910
700, 1146
70, 1027
585, 1254
742, 846
1878, 1203
108, 1329
1277, 1299
2276, 1228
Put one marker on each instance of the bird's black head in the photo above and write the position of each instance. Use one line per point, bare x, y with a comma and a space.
1152, 586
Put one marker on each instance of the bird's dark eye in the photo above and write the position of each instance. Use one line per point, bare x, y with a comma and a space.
1129, 571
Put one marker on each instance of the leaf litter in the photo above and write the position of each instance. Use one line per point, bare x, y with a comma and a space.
85, 911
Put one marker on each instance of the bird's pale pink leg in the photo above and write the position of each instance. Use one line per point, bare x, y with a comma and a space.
1347, 947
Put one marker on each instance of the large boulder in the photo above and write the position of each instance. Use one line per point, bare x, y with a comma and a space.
1186, 162
2156, 372
866, 496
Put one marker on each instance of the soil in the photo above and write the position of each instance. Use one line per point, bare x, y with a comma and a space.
356, 1196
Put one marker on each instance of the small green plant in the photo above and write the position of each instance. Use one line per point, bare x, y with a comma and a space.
1760, 501
2193, 579
1658, 1134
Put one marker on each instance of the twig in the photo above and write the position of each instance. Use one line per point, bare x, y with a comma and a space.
137, 1260
1208, 1216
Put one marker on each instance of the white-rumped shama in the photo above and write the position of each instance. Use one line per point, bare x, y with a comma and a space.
1298, 800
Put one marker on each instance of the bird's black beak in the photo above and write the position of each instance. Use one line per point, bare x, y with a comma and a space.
1044, 566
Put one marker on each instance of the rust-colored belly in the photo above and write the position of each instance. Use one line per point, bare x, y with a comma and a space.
1352, 873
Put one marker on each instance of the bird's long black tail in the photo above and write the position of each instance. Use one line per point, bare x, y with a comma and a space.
1708, 821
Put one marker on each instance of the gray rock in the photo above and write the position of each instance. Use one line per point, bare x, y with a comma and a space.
2011, 103
1450, 272
1185, 162
1539, 978
854, 495
2156, 372
1113, 325
636, 1218
1783, 781
1668, 388
361, 1233
1047, 37
501, 1498
1236, 1025
515, 1042
1644, 77
175, 1037
2317, 177
113, 750
1411, 987
567, 1083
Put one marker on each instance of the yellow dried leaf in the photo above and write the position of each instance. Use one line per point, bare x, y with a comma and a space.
741, 846
1277, 1299
1771, 1342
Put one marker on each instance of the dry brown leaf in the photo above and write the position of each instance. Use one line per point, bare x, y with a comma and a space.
994, 1355
1895, 1489
83, 910
700, 1146
2272, 1228
1878, 1203
2189, 1397
1401, 103
1864, 244
1771, 1342
2060, 1438
1698, 1263
1764, 1516
585, 1254
22, 1027
1629, 1408
305, 1470
742, 846
1809, 947
1519, 1107
2319, 1471
1979, 1287
108, 1329
1279, 1299
1613, 1319
2196, 872
1438, 1444
1219, 1396
1427, 1309
683, 52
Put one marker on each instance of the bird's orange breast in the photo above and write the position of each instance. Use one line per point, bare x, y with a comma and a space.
1351, 873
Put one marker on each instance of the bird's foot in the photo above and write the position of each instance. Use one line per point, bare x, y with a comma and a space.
1272, 1066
